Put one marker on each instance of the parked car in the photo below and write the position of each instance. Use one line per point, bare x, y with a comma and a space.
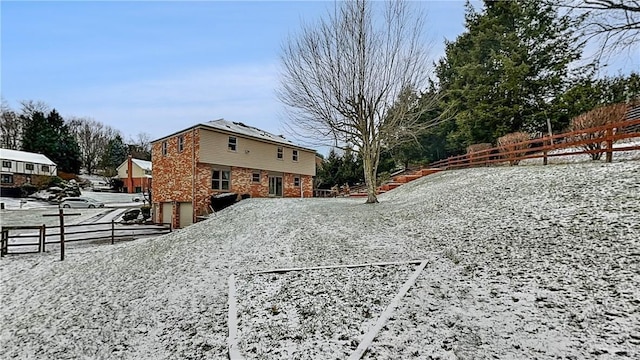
80, 202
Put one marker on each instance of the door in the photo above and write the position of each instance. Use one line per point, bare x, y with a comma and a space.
167, 213
275, 186
186, 214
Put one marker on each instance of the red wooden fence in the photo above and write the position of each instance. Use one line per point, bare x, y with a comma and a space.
542, 146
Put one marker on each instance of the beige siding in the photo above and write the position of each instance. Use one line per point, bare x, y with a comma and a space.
122, 170
137, 171
253, 154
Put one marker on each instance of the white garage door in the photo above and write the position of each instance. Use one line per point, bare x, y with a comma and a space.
167, 212
186, 214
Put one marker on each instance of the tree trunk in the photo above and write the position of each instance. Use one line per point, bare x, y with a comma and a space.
370, 178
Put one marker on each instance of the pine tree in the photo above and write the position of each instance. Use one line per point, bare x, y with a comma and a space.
504, 71
48, 135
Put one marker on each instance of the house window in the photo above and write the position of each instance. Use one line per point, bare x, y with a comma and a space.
45, 168
280, 153
164, 148
180, 143
6, 179
6, 164
255, 177
220, 180
296, 181
295, 155
147, 172
28, 167
233, 142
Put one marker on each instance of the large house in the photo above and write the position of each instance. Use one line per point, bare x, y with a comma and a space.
21, 167
219, 157
135, 174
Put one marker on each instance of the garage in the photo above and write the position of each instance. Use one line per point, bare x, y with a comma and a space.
167, 212
186, 214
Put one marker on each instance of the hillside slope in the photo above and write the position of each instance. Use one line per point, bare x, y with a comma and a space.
524, 262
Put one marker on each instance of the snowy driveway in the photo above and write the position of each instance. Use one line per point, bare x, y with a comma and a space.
523, 262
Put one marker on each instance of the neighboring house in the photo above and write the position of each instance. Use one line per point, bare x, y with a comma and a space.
21, 167
219, 157
136, 175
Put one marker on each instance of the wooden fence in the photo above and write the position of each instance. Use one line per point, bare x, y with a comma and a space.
542, 147
34, 239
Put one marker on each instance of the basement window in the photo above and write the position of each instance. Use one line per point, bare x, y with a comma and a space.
295, 155
233, 143
220, 179
255, 177
280, 153
296, 181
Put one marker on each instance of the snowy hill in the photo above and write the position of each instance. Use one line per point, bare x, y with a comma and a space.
522, 262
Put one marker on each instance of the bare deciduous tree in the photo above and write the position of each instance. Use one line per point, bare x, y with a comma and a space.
92, 137
10, 128
616, 23
351, 80
140, 147
28, 107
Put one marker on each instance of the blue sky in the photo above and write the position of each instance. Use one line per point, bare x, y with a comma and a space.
159, 67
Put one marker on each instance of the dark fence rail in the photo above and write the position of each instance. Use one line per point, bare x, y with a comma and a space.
600, 138
41, 236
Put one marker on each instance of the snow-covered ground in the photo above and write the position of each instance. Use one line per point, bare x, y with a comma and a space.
522, 262
556, 158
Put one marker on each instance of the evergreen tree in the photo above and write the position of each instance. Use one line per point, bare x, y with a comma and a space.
115, 154
49, 135
588, 93
503, 72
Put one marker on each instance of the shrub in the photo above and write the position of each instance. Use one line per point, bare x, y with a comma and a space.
66, 176
512, 147
595, 118
55, 181
28, 189
478, 150
146, 212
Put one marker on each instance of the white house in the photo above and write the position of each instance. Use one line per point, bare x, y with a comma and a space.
21, 167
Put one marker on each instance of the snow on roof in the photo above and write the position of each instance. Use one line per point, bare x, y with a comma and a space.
242, 129
143, 164
23, 156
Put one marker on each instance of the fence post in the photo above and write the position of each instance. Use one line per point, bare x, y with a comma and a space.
44, 237
4, 242
40, 240
61, 212
112, 231
609, 136
544, 152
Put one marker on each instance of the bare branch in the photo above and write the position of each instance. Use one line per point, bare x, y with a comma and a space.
353, 79
614, 23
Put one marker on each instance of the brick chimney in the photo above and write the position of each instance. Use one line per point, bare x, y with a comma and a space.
129, 175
